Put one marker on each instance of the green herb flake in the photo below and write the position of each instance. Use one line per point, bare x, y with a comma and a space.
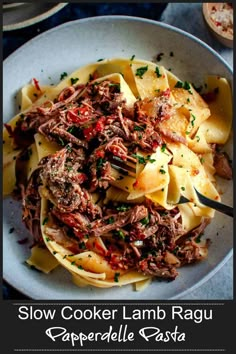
193, 119
159, 56
45, 220
123, 207
162, 171
142, 160
141, 71
82, 245
110, 220
144, 221
163, 148
183, 188
119, 234
61, 141
80, 266
198, 238
157, 72
100, 162
74, 80
63, 75
185, 85
139, 128
116, 277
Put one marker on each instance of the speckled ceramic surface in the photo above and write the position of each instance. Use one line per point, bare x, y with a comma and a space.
64, 49
21, 15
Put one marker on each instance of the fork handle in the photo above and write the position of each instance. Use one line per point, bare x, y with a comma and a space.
217, 206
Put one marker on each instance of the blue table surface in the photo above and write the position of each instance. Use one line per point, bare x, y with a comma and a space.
174, 14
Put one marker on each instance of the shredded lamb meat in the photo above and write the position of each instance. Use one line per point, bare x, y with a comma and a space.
92, 123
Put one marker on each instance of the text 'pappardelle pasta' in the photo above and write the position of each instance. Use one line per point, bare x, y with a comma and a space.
106, 226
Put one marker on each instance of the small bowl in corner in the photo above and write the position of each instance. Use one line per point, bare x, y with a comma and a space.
213, 14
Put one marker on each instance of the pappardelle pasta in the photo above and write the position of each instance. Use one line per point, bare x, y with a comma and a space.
106, 226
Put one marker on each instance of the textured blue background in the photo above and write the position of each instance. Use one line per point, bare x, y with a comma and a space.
13, 39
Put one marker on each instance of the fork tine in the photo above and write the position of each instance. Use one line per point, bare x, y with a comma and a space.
127, 164
123, 171
126, 168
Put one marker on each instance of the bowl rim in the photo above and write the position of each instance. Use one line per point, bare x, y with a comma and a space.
35, 19
125, 18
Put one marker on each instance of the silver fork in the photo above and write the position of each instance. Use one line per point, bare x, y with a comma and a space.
225, 209
127, 168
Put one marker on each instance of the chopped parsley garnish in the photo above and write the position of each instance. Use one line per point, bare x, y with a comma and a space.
61, 141
116, 277
68, 148
119, 234
141, 71
110, 220
202, 160
157, 72
198, 238
132, 58
176, 249
100, 162
80, 266
100, 59
63, 75
82, 245
74, 80
193, 120
142, 160
163, 148
144, 221
185, 85
45, 220
162, 171
116, 85
139, 128
183, 188
123, 207
159, 56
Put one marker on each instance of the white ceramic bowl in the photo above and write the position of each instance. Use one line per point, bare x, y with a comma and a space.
65, 48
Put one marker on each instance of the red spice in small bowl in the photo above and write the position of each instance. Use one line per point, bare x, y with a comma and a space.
219, 17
